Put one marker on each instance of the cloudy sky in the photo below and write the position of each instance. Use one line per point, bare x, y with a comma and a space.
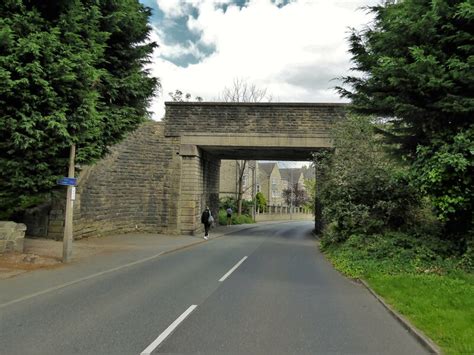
296, 49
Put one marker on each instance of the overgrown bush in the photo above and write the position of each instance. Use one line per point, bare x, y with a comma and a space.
362, 190
393, 253
236, 219
444, 170
227, 202
231, 202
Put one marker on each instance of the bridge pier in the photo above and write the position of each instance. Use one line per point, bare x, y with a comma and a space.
199, 187
161, 176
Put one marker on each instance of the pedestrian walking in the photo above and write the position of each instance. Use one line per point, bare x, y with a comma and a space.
206, 219
229, 216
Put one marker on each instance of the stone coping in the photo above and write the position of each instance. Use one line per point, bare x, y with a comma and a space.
282, 104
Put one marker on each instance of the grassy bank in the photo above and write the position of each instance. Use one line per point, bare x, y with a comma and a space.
435, 294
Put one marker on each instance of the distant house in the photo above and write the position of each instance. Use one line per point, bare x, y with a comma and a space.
309, 173
292, 176
229, 179
269, 183
271, 180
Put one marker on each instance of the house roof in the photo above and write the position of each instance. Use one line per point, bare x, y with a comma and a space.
266, 167
286, 173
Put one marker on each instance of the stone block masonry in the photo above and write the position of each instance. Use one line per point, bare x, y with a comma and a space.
133, 189
12, 236
161, 176
265, 118
199, 188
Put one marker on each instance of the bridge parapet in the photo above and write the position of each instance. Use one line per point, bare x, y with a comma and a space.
269, 118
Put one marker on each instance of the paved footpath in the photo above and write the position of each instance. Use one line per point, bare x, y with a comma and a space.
91, 257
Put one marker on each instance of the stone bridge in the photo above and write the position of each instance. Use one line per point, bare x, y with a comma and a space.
162, 175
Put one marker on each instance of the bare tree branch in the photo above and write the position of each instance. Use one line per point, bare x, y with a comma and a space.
243, 91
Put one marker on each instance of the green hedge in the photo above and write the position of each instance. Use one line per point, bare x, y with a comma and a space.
242, 219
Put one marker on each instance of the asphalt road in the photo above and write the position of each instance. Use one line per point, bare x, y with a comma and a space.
266, 290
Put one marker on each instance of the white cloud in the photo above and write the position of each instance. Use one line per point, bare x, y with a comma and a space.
293, 51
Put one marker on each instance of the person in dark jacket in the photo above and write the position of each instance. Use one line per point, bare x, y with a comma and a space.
206, 220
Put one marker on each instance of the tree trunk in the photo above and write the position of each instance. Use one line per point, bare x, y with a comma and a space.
240, 188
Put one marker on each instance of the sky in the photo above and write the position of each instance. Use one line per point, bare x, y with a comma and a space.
295, 49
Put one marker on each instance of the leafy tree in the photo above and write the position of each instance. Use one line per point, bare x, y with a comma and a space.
434, 171
363, 191
417, 65
261, 201
72, 72
295, 195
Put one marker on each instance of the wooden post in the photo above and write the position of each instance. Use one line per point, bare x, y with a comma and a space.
67, 240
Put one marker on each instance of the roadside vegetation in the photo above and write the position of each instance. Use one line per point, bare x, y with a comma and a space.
243, 218
397, 190
380, 228
72, 73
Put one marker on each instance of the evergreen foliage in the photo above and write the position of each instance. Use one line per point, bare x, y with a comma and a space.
362, 190
417, 66
72, 72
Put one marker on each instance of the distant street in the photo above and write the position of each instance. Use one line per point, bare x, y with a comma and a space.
264, 290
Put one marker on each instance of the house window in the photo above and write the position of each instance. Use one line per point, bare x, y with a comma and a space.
274, 184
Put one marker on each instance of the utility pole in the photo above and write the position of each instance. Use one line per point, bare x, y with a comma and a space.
291, 194
71, 192
254, 189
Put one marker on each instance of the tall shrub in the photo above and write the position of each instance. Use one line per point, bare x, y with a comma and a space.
416, 68
363, 191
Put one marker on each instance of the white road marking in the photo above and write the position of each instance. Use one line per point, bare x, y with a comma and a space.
167, 331
233, 269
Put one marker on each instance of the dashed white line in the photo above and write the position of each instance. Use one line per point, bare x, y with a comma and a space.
233, 269
167, 331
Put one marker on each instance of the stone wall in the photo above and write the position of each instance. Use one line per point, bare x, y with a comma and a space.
284, 118
199, 188
12, 236
160, 178
134, 188
228, 185
228, 179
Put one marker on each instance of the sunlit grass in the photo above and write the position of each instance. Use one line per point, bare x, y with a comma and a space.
441, 306
438, 300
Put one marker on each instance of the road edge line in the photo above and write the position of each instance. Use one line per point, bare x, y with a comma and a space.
85, 278
426, 342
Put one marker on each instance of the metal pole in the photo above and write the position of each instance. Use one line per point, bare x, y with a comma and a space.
291, 194
67, 240
254, 198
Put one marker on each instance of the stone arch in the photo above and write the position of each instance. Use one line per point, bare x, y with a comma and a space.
160, 177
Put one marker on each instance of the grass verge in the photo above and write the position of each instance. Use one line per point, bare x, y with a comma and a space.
434, 295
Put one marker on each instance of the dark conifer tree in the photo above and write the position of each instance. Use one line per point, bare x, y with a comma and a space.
417, 71
71, 72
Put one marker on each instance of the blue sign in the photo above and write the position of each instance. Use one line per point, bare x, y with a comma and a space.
67, 181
